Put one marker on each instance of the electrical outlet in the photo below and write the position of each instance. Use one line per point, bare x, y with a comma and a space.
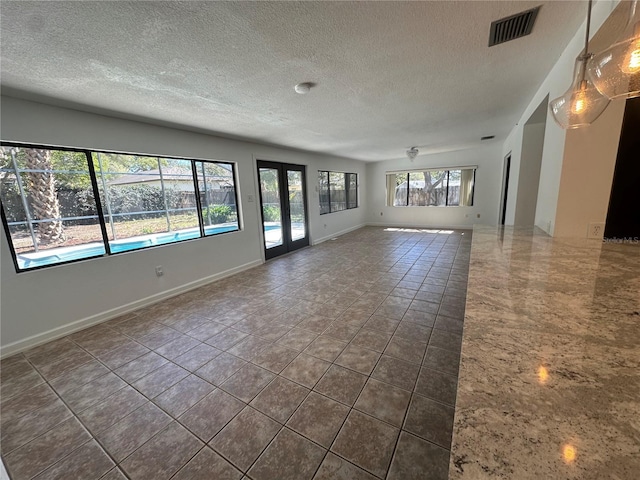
159, 271
596, 230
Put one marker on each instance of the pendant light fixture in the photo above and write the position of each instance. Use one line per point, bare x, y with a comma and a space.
616, 71
582, 104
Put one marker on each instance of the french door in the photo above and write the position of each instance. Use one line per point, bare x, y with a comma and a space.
283, 201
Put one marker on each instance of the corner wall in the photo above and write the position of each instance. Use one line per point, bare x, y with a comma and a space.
529, 177
577, 166
41, 305
486, 194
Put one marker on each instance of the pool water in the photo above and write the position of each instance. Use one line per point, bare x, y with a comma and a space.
66, 254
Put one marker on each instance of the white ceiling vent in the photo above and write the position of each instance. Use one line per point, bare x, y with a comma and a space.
515, 26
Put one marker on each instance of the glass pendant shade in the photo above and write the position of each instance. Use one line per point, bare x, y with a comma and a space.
616, 70
582, 104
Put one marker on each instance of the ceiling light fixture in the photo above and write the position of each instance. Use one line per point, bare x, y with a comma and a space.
303, 88
412, 153
582, 104
616, 71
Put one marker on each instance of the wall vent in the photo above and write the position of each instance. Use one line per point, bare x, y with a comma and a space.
515, 26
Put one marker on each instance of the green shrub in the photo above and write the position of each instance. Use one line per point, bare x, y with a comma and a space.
271, 213
218, 213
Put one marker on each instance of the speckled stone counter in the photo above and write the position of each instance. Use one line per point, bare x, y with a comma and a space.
549, 383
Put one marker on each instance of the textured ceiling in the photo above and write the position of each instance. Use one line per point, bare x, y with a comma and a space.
389, 75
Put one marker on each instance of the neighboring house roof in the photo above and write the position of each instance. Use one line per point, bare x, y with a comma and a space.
171, 174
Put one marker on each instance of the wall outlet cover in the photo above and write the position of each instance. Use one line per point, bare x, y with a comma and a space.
596, 230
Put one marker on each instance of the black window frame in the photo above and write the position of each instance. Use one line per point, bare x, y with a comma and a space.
99, 209
446, 196
348, 191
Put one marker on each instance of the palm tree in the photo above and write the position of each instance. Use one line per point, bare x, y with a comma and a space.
44, 198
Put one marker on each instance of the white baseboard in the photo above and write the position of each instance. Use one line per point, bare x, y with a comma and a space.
427, 227
337, 234
58, 332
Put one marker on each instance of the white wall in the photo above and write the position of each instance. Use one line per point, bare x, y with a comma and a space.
486, 195
584, 201
587, 173
529, 174
40, 305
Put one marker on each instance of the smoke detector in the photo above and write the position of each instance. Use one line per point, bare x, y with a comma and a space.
303, 88
412, 153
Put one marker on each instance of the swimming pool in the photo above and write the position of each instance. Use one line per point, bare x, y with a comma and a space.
66, 254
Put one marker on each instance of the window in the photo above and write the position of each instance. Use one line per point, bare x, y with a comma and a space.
338, 191
61, 205
217, 190
431, 188
325, 203
351, 183
48, 205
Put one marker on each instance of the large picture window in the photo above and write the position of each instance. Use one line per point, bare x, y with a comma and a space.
338, 191
431, 188
61, 205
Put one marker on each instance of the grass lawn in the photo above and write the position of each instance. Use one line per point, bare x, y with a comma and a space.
81, 234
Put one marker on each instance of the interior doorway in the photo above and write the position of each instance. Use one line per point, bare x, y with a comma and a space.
283, 202
530, 167
505, 188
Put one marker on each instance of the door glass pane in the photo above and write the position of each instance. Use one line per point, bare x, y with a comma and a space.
296, 205
271, 210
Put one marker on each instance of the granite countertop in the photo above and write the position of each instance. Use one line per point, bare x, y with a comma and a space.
549, 383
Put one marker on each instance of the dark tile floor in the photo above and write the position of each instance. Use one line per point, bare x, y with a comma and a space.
336, 362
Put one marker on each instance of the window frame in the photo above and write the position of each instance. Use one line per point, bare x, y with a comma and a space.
347, 190
446, 195
100, 212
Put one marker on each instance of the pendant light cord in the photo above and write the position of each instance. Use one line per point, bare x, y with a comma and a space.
586, 36
586, 55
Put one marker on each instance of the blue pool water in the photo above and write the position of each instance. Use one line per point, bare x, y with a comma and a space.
86, 251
